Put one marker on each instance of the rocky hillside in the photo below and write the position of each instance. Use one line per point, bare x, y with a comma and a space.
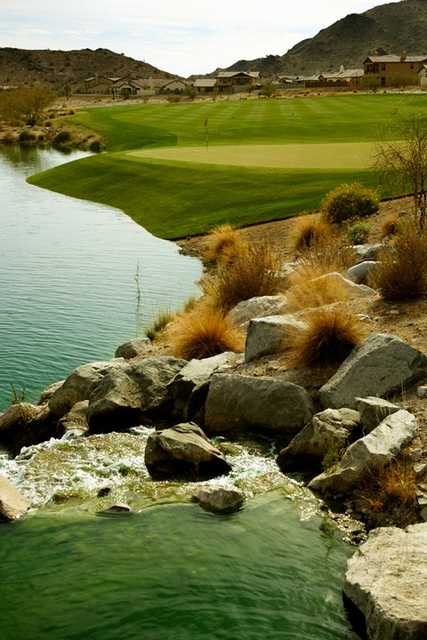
394, 27
59, 68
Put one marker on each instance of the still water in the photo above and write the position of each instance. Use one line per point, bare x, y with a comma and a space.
173, 573
76, 278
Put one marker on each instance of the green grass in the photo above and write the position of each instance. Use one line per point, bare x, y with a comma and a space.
173, 199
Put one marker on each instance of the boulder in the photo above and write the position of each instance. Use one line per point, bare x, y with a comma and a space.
132, 349
373, 411
153, 375
13, 504
183, 451
236, 403
79, 385
328, 434
381, 365
76, 419
359, 273
257, 308
367, 252
386, 582
354, 290
219, 500
46, 395
119, 508
422, 391
24, 424
268, 335
372, 452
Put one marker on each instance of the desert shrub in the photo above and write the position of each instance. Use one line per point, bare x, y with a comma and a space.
358, 232
223, 244
330, 336
174, 99
258, 272
202, 333
159, 324
95, 146
349, 201
394, 484
307, 232
26, 136
62, 137
402, 270
390, 226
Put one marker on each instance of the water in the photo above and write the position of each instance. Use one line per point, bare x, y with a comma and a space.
173, 572
76, 278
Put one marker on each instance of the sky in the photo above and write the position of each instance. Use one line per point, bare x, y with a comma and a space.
180, 36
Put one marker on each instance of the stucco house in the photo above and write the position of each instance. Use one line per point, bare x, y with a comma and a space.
99, 85
174, 86
236, 80
393, 70
205, 85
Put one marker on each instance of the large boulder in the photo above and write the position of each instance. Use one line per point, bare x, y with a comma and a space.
257, 308
359, 273
132, 349
183, 451
219, 500
368, 252
268, 335
386, 582
76, 419
126, 394
79, 385
13, 504
381, 365
328, 434
236, 403
372, 452
24, 424
351, 288
46, 395
373, 411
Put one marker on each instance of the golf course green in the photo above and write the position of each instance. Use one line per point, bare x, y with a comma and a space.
179, 169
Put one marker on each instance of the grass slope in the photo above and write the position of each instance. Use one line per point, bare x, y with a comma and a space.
174, 199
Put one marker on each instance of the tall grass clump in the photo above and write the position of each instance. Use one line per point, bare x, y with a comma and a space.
330, 336
257, 272
349, 201
390, 226
402, 270
159, 324
202, 333
223, 244
307, 232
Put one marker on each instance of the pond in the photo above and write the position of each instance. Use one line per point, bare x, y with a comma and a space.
76, 278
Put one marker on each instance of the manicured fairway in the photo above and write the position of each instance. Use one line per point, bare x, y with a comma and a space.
268, 159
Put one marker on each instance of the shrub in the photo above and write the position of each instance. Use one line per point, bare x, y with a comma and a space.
307, 232
223, 244
158, 326
402, 270
255, 273
26, 136
95, 146
349, 201
390, 226
202, 333
358, 232
62, 137
330, 336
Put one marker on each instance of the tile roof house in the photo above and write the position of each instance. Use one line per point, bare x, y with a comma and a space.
392, 70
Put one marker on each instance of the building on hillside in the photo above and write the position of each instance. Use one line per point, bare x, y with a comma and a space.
174, 86
134, 87
237, 80
100, 85
392, 70
205, 85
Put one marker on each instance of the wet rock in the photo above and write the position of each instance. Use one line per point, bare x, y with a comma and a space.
257, 308
268, 335
359, 273
49, 391
386, 582
132, 349
367, 252
373, 411
120, 507
381, 365
183, 451
24, 424
373, 451
76, 419
328, 434
219, 500
79, 385
354, 290
13, 505
238, 403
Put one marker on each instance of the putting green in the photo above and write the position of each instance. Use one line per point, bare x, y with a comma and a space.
354, 155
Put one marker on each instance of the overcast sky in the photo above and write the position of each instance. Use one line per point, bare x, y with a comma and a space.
180, 36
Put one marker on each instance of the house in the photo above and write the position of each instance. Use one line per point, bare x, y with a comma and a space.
99, 85
174, 86
393, 71
205, 85
422, 75
128, 88
236, 80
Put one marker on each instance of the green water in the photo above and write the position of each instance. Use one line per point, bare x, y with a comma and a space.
173, 573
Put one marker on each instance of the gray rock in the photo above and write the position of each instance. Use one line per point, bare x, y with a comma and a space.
360, 272
386, 581
24, 424
327, 434
354, 290
76, 419
13, 505
381, 365
268, 335
238, 402
120, 507
183, 451
373, 411
373, 451
49, 391
422, 391
368, 252
257, 308
219, 500
153, 375
79, 385
132, 349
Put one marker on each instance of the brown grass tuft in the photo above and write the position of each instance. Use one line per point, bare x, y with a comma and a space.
390, 226
399, 482
309, 231
256, 273
202, 333
223, 244
402, 272
159, 324
330, 336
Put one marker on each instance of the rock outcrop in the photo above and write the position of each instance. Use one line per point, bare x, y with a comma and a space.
13, 505
257, 308
386, 582
183, 451
237, 403
219, 500
268, 335
381, 365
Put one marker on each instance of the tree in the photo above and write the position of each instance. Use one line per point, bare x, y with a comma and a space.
405, 162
